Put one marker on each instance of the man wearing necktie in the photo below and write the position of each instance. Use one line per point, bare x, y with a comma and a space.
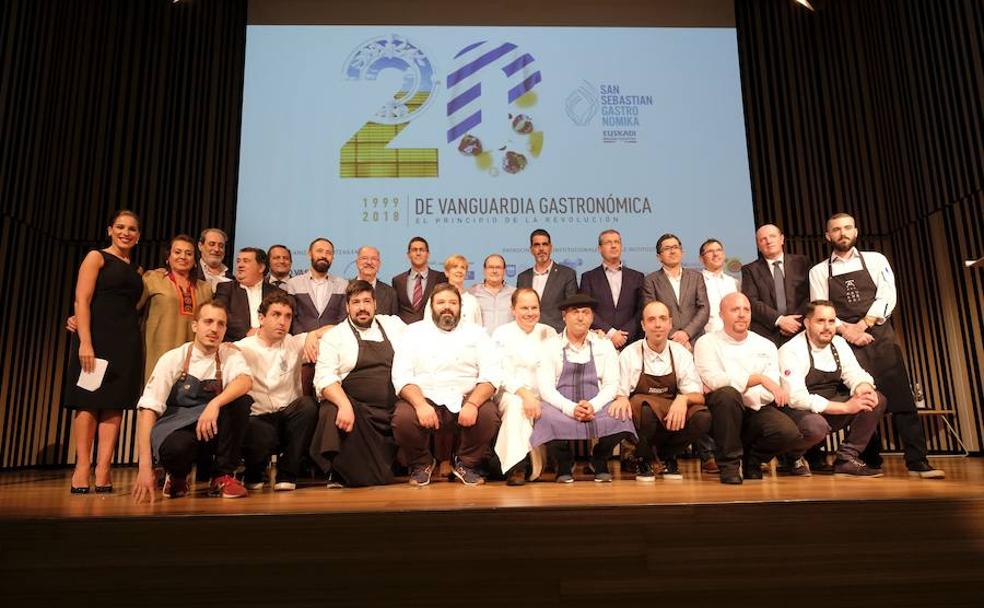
414, 286
777, 285
281, 261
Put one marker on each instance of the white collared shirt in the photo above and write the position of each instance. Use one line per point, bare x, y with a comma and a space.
320, 292
445, 365
552, 364
723, 361
519, 354
276, 371
718, 285
614, 276
675, 281
540, 279
339, 350
879, 269
794, 361
254, 295
412, 280
630, 363
202, 366
214, 279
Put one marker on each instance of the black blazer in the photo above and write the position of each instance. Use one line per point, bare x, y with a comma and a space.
386, 299
561, 284
626, 315
404, 306
690, 313
233, 296
757, 283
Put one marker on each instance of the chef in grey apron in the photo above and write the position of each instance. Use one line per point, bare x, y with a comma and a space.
173, 439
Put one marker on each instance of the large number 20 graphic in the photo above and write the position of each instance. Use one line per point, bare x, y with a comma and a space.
366, 154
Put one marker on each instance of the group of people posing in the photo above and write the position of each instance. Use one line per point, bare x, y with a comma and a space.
364, 378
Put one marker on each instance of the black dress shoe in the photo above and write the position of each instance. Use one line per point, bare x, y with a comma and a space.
822, 466
731, 478
81, 490
104, 489
752, 470
516, 476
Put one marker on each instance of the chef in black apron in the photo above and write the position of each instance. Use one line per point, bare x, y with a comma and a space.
853, 293
839, 394
184, 383
361, 454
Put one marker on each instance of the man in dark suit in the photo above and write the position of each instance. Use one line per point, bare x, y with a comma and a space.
281, 261
414, 287
777, 318
367, 262
681, 289
618, 291
242, 296
553, 282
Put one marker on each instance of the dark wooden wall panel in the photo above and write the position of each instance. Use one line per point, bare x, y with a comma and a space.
877, 108
104, 104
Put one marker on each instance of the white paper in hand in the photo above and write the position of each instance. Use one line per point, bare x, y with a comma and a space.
90, 381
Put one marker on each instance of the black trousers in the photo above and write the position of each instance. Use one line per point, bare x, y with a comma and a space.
739, 432
286, 433
910, 430
668, 444
181, 449
563, 454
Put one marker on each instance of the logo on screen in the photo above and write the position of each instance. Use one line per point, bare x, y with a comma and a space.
582, 104
505, 141
501, 142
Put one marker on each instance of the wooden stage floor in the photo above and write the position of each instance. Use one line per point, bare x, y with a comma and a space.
791, 543
44, 494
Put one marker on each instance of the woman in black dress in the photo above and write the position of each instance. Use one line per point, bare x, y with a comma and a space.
106, 296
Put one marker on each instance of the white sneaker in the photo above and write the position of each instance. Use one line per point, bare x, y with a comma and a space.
284, 486
255, 486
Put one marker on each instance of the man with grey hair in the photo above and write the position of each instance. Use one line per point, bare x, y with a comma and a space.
367, 262
211, 246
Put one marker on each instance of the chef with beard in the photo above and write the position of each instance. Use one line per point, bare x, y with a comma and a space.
445, 373
861, 286
353, 442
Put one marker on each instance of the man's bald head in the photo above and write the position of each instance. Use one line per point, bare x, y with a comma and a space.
736, 313
657, 322
655, 307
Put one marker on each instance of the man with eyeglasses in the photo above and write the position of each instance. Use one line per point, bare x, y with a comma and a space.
716, 281
681, 289
617, 288
494, 295
414, 287
367, 262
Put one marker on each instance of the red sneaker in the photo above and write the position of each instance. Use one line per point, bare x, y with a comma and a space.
227, 486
